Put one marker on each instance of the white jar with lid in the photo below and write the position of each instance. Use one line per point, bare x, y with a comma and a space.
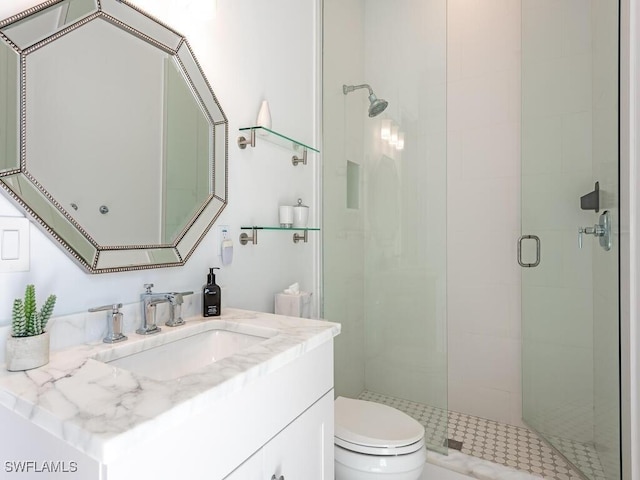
300, 215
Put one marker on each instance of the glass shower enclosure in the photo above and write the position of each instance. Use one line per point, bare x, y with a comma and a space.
570, 205
384, 207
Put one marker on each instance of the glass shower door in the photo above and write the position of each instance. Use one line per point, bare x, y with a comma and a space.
570, 319
384, 204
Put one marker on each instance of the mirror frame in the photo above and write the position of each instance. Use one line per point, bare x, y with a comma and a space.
27, 192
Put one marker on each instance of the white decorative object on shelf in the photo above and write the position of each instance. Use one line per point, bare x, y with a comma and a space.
264, 117
300, 215
286, 216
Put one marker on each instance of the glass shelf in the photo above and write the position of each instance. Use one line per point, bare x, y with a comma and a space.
289, 229
279, 139
297, 237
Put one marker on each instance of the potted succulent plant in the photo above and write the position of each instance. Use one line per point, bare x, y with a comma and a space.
28, 345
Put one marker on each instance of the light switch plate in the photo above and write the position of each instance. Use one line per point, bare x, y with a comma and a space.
14, 244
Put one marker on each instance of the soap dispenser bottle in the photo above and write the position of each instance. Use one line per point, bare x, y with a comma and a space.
211, 296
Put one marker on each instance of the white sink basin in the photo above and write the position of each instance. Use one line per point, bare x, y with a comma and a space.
186, 355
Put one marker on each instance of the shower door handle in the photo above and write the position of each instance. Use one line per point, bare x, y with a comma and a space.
537, 240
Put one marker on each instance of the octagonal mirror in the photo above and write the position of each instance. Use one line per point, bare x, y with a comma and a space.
111, 137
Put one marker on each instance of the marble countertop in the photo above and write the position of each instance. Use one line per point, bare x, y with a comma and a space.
102, 410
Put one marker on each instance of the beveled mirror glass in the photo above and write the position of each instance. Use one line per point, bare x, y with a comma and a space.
111, 137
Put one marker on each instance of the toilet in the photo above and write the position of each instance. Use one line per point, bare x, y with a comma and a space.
375, 441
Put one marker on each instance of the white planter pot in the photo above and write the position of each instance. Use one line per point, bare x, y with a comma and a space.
25, 353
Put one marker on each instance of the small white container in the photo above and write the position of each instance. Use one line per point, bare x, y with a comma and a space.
300, 215
286, 216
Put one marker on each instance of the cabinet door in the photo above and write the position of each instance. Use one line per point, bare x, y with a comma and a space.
251, 469
304, 449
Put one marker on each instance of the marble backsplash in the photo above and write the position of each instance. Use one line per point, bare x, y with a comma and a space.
86, 327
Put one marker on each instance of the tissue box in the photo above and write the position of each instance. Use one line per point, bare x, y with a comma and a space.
293, 305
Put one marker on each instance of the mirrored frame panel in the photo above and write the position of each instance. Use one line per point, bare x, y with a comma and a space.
118, 189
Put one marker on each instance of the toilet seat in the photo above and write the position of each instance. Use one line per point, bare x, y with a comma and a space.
380, 451
375, 429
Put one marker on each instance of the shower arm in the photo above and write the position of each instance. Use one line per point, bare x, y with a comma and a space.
350, 88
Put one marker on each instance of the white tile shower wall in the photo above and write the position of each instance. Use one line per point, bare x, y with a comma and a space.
483, 208
250, 51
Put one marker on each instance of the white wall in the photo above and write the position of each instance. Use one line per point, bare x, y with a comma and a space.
483, 206
250, 51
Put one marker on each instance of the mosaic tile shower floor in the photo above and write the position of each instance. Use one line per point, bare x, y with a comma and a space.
508, 445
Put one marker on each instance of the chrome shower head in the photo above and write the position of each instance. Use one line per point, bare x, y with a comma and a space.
377, 105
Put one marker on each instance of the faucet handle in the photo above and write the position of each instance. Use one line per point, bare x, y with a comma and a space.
175, 314
182, 294
176, 298
114, 325
112, 306
148, 286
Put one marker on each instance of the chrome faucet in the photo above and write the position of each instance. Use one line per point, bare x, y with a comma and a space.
114, 324
175, 313
149, 302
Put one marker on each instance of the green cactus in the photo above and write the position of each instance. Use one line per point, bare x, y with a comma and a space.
26, 321
29, 301
33, 325
47, 310
18, 320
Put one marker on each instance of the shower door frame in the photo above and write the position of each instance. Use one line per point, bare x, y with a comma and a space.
629, 237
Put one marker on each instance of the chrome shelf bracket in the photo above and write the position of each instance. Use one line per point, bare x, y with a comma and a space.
301, 238
243, 142
244, 238
296, 160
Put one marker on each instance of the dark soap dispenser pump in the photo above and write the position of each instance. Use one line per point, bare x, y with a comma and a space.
211, 296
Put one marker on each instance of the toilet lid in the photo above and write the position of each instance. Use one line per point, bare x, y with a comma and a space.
374, 425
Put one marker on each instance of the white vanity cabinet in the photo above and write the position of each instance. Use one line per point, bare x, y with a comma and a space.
303, 450
292, 401
272, 421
